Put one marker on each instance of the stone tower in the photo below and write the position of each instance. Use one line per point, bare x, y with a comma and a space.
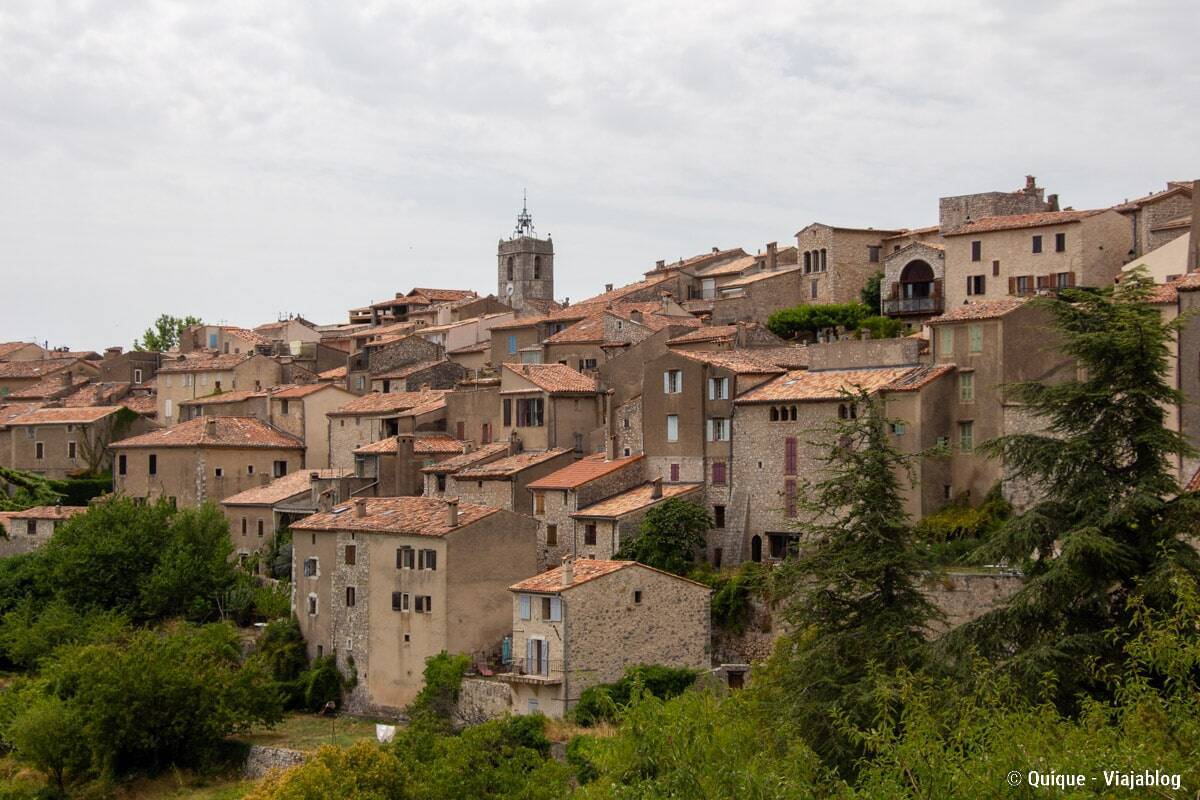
525, 265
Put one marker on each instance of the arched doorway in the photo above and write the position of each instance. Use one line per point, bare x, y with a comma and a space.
756, 548
916, 280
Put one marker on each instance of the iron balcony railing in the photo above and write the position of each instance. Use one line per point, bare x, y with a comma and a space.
912, 305
535, 667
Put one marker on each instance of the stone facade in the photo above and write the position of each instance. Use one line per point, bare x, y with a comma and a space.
189, 475
441, 375
836, 263
255, 372
956, 211
627, 426
524, 270
914, 280
473, 412
378, 360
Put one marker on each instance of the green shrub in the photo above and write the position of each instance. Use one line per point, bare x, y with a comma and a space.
436, 702
605, 702
323, 684
733, 594
32, 632
882, 327
273, 600
82, 490
805, 321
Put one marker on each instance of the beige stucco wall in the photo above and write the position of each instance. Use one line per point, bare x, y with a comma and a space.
189, 474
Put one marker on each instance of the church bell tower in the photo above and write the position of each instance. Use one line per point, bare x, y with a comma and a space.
525, 265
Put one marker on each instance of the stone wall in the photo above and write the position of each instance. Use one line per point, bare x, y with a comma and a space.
627, 426
862, 353
964, 596
480, 700
261, 760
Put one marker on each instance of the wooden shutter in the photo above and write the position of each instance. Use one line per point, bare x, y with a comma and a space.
1070, 279
667, 382
1012, 284
970, 285
1043, 282
895, 290
789, 500
789, 455
555, 609
523, 602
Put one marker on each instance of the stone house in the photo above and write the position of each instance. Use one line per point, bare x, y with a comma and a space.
836, 263
557, 496
586, 622
473, 411
755, 297
520, 340
206, 459
610, 332
204, 373
1020, 256
436, 475
602, 527
257, 514
377, 416
736, 336
548, 406
294, 330
914, 281
394, 465
386, 583
435, 374
223, 339
465, 332
52, 388
719, 269
779, 433
30, 529
1158, 217
958, 210
474, 359
16, 376
59, 442
504, 483
21, 351
137, 367
388, 353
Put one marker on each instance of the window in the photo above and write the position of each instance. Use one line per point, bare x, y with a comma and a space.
152, 466
946, 341
260, 529
350, 596
509, 272
404, 558
552, 535
427, 559
512, 343
977, 251
310, 567
589, 533
672, 427
995, 269
530, 412
587, 363
673, 381
39, 450
1021, 284
1037, 244
718, 429
807, 262
249, 469
351, 553
975, 284
966, 436
122, 464
284, 406
637, 597
783, 545
674, 473
312, 605
812, 289
718, 473
524, 602
399, 601
137, 376
898, 428
718, 388
441, 482
789, 498
718, 516
789, 455
975, 338
551, 609
424, 604
1064, 280
219, 472
362, 382
873, 253
537, 268
966, 387
279, 468
1060, 242
539, 502
824, 263
244, 526
507, 407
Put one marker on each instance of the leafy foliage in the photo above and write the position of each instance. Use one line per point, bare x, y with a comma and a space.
953, 534
323, 684
32, 632
22, 490
604, 702
435, 703
164, 334
881, 327
871, 293
734, 592
670, 536
810, 319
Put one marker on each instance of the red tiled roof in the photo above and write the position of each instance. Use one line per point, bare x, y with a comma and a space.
97, 394
66, 416
582, 471
48, 512
332, 374
582, 571
761, 276
387, 403
706, 333
1154, 197
422, 445
36, 369
635, 499
223, 398
505, 468
418, 516
234, 432
144, 404
245, 334
455, 463
297, 391
203, 362
919, 378
979, 310
555, 378
805, 385
9, 412
734, 267
281, 489
1016, 221
409, 369
8, 348
444, 295
746, 362
51, 386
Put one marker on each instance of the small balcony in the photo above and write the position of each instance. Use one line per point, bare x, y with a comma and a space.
540, 671
900, 306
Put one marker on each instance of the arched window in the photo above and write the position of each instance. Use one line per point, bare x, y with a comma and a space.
793, 414
824, 265
854, 411
510, 268
756, 548
843, 413
774, 414
537, 268
807, 262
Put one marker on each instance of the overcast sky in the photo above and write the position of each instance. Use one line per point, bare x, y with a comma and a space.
235, 160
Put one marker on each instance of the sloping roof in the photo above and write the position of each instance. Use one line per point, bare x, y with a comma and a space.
9, 412
51, 386
386, 403
734, 267
245, 334
8, 348
591, 327
298, 391
281, 489
582, 471
78, 415
505, 468
204, 362
332, 374
982, 309
444, 295
223, 398
418, 516
555, 378
635, 499
786, 356
35, 369
1132, 205
914, 232
746, 362
97, 394
805, 385
919, 378
760, 276
706, 333
478, 347
234, 432
144, 404
422, 445
1017, 221
409, 369
455, 463
48, 512
582, 571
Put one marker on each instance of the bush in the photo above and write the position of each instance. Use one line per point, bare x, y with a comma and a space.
882, 327
30, 633
323, 684
733, 595
436, 702
806, 321
82, 490
952, 534
605, 702
363, 771
273, 600
670, 536
44, 736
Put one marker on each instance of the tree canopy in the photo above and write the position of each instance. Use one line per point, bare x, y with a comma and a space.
164, 334
670, 536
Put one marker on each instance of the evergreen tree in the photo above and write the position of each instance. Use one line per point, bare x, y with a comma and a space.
853, 593
1108, 521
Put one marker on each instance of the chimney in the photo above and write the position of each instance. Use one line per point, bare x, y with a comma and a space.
568, 571
608, 287
612, 448
67, 380
113, 352
452, 512
772, 256
1030, 183
1193, 262
666, 300
514, 444
716, 249
656, 488
314, 488
1052, 203
360, 507
660, 264
635, 315
210, 425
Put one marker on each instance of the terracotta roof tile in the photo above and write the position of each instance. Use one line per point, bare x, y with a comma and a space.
805, 385
919, 378
245, 334
582, 471
409, 369
479, 347
734, 267
707, 333
582, 571
417, 516
555, 378
144, 404
505, 468
444, 295
980, 310
1018, 221
636, 499
223, 398
235, 432
1154, 197
281, 489
455, 463
35, 369
422, 445
334, 374
203, 362
297, 391
50, 387
66, 416
8, 348
746, 362
48, 512
97, 394
387, 403
11, 411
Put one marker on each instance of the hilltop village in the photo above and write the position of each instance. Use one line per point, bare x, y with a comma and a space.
458, 468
